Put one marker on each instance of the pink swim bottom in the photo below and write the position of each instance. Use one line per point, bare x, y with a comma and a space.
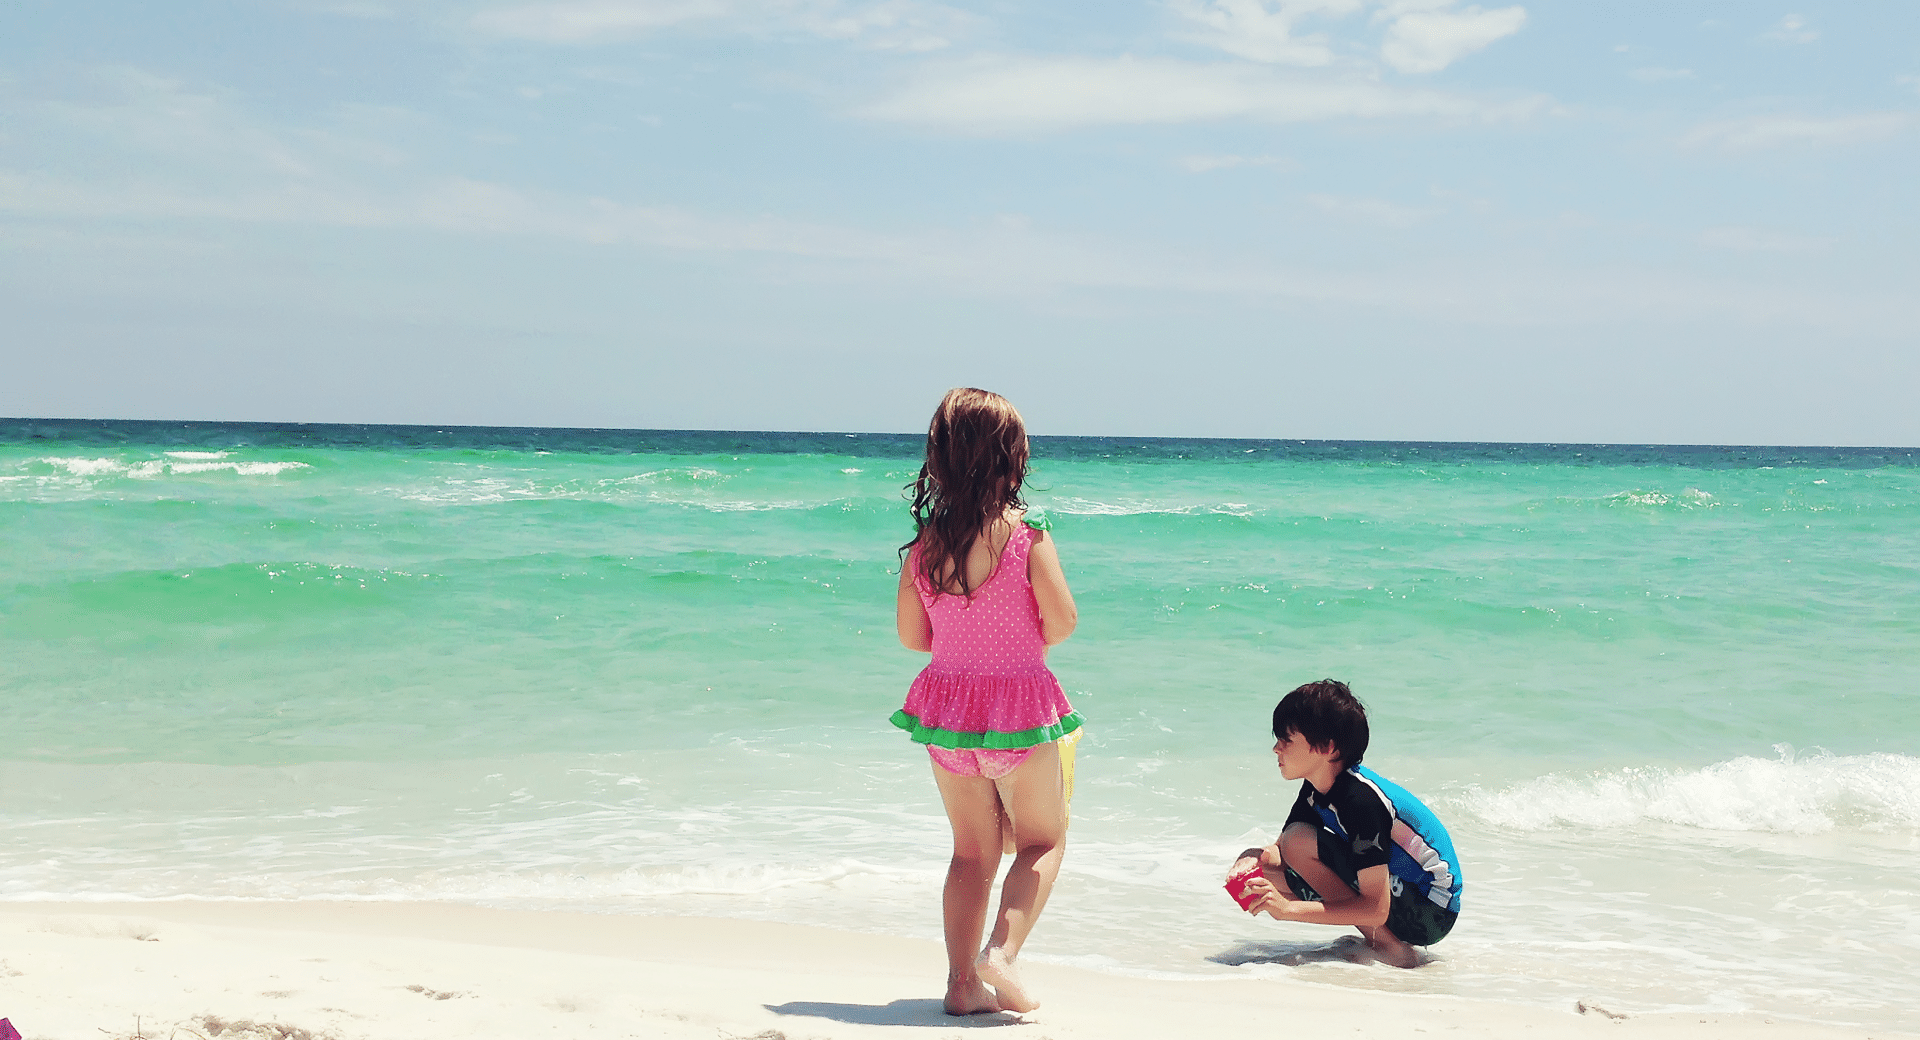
992, 763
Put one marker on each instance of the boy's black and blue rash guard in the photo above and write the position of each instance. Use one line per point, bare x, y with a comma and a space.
1383, 824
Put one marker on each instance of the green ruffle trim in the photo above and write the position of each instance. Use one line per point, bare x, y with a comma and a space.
1025, 738
1037, 519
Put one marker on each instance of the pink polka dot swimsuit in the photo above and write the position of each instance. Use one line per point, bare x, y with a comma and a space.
988, 685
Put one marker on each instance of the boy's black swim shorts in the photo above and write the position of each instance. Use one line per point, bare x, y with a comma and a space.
1411, 916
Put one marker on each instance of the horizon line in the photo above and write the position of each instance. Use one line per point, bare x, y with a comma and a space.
450, 427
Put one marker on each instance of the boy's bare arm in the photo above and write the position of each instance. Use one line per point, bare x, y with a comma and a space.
1368, 910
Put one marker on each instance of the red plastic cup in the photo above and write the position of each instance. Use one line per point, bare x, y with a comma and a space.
1237, 887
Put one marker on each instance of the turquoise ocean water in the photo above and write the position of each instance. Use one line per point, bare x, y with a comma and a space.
1667, 699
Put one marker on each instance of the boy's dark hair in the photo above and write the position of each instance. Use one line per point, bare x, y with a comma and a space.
1327, 714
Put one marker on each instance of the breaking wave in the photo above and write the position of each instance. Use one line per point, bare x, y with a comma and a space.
1790, 794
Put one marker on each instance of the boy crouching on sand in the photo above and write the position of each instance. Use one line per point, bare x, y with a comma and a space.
1356, 849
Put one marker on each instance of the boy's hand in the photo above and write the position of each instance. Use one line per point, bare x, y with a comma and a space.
1267, 857
1264, 894
1281, 906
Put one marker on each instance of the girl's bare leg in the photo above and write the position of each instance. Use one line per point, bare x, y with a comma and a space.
1036, 801
973, 808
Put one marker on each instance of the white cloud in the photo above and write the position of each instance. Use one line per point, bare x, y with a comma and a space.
1377, 212
142, 120
595, 20
911, 25
1208, 163
1421, 35
348, 9
1429, 37
1461, 200
905, 25
1756, 240
1024, 95
1263, 30
456, 205
1792, 29
1000, 257
1757, 132
1659, 75
183, 162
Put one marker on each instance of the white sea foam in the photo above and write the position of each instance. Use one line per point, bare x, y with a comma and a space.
1090, 507
676, 476
184, 462
688, 486
1791, 794
1688, 498
702, 832
86, 467
572, 887
245, 469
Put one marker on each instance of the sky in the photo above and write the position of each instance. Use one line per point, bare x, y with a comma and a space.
1642, 221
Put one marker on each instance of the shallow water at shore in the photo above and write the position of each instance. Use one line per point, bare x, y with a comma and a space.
1664, 698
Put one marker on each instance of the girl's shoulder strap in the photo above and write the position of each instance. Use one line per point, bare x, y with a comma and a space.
1020, 541
1036, 517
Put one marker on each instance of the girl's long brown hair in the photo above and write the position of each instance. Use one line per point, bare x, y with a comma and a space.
976, 463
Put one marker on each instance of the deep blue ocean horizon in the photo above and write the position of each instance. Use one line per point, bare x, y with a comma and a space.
602, 440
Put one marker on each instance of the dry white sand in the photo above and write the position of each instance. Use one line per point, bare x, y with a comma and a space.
349, 971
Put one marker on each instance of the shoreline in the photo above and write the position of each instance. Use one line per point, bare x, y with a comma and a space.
373, 971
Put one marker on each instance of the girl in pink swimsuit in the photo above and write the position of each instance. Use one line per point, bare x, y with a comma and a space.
981, 588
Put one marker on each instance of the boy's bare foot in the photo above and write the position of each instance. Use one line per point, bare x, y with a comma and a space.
997, 969
1388, 949
969, 996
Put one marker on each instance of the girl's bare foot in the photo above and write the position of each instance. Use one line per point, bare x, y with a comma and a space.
969, 996
997, 969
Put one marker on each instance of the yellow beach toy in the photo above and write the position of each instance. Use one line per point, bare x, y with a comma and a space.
1067, 744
